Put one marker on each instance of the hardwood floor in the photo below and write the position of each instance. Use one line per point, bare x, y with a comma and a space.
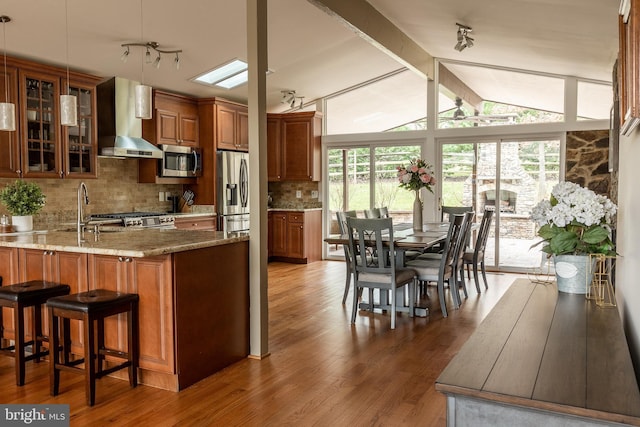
322, 370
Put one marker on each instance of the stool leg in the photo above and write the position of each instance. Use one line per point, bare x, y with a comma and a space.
36, 332
100, 343
66, 340
89, 360
132, 335
54, 343
18, 315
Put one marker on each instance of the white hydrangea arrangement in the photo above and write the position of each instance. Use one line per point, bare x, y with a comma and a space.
575, 221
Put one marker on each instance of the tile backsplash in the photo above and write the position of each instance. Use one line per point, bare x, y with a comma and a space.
284, 195
115, 190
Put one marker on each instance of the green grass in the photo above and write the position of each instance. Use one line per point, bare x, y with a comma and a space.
389, 194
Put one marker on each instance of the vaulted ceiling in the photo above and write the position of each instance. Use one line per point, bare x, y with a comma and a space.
310, 51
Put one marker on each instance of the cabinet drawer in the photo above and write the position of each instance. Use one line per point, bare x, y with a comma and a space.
197, 223
297, 217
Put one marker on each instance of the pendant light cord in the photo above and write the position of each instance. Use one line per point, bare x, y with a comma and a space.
6, 77
66, 23
142, 41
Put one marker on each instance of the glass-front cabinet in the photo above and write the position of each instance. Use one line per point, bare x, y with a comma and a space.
48, 149
80, 140
41, 128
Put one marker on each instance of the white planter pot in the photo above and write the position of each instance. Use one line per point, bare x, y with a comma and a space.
22, 222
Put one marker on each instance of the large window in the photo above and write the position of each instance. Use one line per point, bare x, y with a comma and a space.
365, 177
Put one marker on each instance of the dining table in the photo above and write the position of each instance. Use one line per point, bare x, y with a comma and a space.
405, 238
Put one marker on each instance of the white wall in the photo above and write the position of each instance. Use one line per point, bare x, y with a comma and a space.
628, 243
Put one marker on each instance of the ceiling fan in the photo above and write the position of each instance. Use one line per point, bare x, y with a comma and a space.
460, 115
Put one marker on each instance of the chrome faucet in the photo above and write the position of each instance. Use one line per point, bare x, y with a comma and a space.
82, 194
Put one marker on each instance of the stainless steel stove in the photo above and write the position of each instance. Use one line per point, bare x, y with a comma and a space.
141, 219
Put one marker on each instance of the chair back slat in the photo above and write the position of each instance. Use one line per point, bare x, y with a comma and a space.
342, 219
372, 213
483, 233
454, 210
371, 243
465, 234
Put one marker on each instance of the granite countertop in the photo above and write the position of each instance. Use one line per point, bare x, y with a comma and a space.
128, 242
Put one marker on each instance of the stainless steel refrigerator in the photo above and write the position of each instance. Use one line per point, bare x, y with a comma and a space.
233, 191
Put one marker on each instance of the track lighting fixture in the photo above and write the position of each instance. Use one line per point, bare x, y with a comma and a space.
149, 46
288, 97
463, 38
125, 55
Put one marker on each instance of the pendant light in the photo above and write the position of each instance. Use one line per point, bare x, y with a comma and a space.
143, 95
68, 102
7, 109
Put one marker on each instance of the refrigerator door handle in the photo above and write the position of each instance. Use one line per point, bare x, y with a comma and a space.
244, 184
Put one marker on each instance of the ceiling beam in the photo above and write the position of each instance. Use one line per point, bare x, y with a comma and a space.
371, 25
450, 81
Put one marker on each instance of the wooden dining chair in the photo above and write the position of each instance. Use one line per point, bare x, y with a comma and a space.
453, 210
443, 269
375, 235
342, 223
372, 213
474, 257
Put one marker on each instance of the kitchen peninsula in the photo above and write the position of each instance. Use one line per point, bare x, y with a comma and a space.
193, 288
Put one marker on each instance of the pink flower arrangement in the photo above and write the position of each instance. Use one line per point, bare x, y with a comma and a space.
416, 175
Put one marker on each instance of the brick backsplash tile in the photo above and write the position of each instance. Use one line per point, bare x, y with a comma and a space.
284, 195
115, 190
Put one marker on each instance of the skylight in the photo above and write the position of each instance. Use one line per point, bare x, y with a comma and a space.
226, 76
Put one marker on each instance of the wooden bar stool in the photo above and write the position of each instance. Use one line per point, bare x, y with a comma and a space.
92, 308
19, 296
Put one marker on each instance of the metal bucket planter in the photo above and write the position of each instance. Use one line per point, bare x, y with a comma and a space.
573, 273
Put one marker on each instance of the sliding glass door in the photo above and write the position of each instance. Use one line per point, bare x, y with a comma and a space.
506, 176
365, 177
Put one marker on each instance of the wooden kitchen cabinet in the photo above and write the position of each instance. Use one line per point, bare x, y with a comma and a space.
231, 126
294, 149
68, 268
176, 120
151, 278
206, 223
80, 142
41, 131
269, 234
278, 234
9, 141
40, 147
274, 148
296, 236
9, 274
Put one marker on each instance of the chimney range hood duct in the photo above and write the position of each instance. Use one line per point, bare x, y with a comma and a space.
119, 131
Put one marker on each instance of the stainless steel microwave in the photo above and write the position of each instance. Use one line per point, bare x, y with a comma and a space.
180, 161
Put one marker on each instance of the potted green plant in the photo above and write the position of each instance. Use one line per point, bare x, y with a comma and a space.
22, 199
574, 223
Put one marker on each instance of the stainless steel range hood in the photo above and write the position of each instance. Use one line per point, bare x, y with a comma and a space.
119, 131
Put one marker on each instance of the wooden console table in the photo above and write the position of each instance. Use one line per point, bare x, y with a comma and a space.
543, 358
